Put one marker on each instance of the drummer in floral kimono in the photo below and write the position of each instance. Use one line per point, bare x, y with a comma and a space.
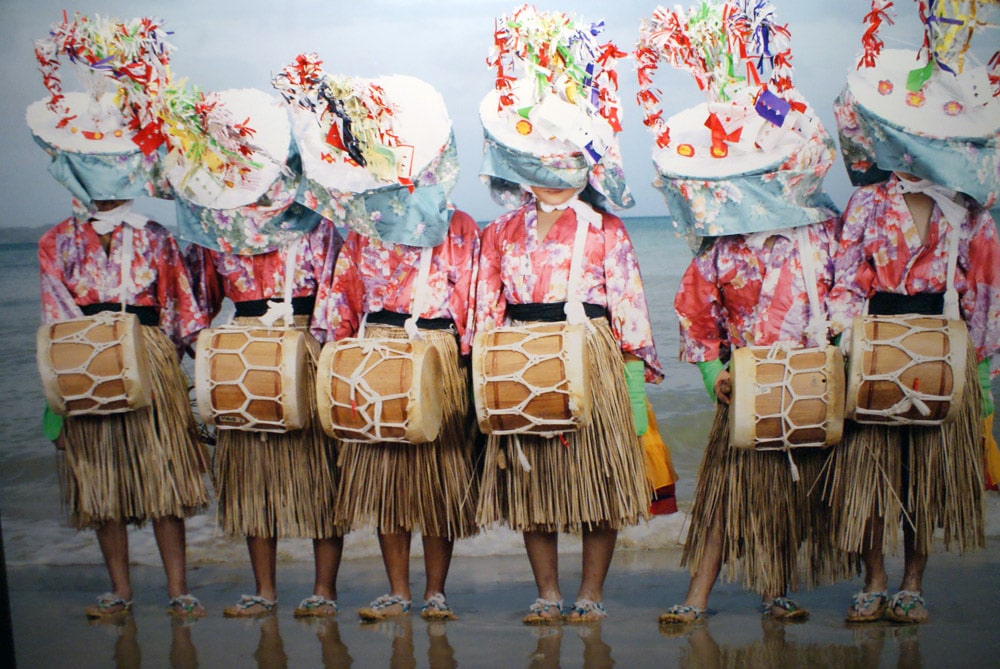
147, 464
742, 175
406, 274
268, 255
919, 137
560, 256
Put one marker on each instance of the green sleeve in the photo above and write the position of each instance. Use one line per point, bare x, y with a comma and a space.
710, 371
51, 423
986, 386
635, 380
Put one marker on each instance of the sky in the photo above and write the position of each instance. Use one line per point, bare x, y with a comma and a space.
223, 45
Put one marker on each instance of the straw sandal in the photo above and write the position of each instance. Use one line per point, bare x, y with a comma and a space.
783, 608
109, 605
186, 606
586, 611
380, 609
436, 608
681, 614
539, 612
867, 607
242, 608
316, 606
906, 606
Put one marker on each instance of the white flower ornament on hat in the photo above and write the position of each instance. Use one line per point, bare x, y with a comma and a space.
752, 157
933, 111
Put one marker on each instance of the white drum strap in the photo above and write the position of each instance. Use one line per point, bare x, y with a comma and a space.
105, 222
585, 217
951, 310
284, 309
817, 326
419, 299
955, 214
521, 457
128, 251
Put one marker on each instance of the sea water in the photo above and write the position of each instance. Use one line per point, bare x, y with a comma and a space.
34, 525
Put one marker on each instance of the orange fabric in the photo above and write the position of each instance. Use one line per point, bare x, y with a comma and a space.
991, 455
660, 470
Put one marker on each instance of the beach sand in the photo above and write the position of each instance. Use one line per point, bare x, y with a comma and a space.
490, 594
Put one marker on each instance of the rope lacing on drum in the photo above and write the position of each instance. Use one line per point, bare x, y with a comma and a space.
363, 400
912, 397
560, 386
245, 418
366, 401
85, 339
787, 351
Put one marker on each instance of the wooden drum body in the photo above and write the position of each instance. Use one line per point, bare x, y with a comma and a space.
532, 379
94, 365
906, 370
787, 397
252, 378
380, 389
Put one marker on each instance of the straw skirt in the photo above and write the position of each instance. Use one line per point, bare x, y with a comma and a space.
928, 477
139, 465
775, 536
593, 477
397, 487
279, 484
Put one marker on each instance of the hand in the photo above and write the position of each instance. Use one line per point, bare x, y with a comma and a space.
723, 386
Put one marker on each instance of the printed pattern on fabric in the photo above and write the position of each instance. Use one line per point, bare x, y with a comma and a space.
218, 275
750, 291
880, 251
373, 275
518, 268
76, 271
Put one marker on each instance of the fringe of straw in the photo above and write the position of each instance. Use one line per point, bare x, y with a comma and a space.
397, 487
929, 477
775, 536
597, 478
142, 464
279, 484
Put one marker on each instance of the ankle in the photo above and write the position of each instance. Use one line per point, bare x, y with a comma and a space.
592, 596
126, 593
550, 595
876, 583
325, 593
